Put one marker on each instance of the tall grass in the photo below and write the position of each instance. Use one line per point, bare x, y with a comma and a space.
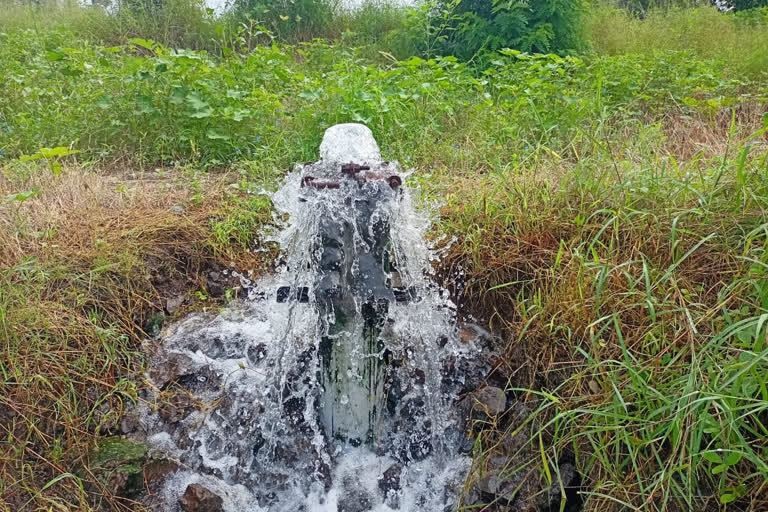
634, 289
175, 23
737, 41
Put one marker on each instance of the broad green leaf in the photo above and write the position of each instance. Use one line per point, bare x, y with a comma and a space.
23, 196
195, 101
57, 152
201, 114
144, 43
214, 135
310, 95
177, 95
240, 114
54, 56
104, 102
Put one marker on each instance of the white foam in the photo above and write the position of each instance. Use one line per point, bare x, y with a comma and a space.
259, 434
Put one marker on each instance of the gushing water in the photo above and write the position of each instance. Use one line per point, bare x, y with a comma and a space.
333, 387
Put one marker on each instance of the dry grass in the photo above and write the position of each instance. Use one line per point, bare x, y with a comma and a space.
84, 266
595, 277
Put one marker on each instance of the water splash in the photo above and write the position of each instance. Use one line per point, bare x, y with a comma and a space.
334, 386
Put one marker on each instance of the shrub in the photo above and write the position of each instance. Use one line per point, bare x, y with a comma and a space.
290, 20
535, 26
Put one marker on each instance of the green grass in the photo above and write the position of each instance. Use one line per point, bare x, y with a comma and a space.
609, 213
636, 301
736, 41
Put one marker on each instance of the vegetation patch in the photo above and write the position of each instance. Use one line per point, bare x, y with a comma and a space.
607, 211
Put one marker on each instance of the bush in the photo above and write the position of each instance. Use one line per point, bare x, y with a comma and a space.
290, 20
536, 26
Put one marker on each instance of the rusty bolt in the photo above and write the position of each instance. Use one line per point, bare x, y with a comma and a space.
310, 181
353, 169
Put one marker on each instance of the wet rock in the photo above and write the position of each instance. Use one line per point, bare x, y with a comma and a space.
219, 347
214, 288
466, 336
172, 304
156, 472
177, 408
389, 485
515, 445
463, 374
467, 445
199, 499
130, 422
472, 500
472, 333
201, 380
503, 486
217, 283
154, 324
490, 400
170, 368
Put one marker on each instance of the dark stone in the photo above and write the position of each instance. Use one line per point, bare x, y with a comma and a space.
156, 472
174, 366
390, 480
172, 304
204, 379
214, 288
283, 293
553, 500
467, 445
130, 422
199, 499
176, 408
490, 400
